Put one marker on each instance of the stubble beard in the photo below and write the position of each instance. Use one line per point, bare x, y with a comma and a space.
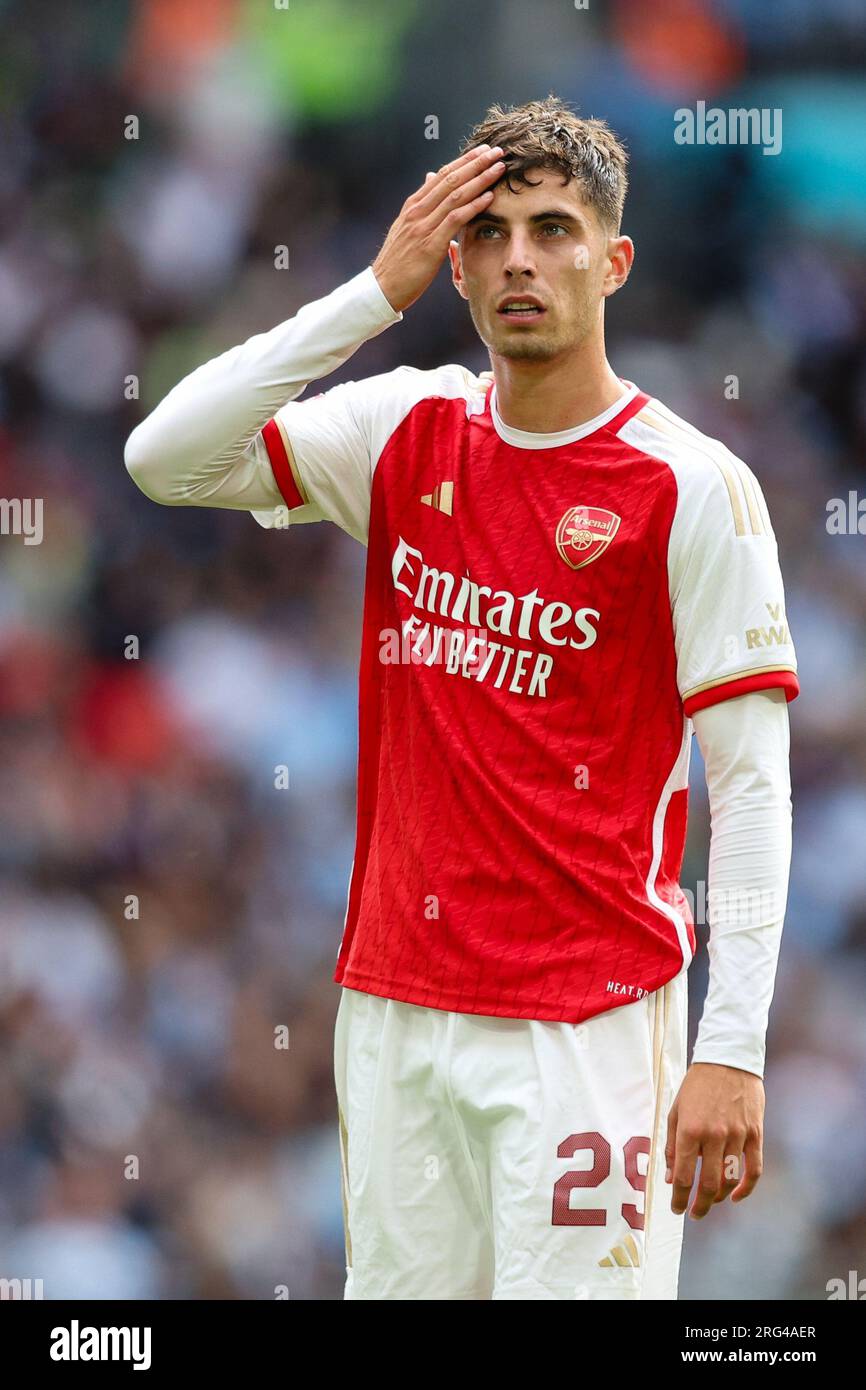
529, 345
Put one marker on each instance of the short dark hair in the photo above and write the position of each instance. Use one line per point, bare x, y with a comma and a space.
549, 135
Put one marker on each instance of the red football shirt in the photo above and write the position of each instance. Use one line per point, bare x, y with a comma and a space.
542, 615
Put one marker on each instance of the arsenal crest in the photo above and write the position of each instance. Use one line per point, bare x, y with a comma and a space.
584, 533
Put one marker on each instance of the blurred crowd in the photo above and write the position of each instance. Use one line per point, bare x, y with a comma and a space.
165, 901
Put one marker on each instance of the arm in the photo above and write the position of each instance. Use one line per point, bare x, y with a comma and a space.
745, 746
718, 1113
736, 670
197, 447
202, 444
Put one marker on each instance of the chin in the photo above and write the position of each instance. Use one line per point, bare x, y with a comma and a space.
526, 349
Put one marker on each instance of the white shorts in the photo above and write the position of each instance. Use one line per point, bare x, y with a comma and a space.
490, 1158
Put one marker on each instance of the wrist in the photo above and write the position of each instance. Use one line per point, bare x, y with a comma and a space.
387, 289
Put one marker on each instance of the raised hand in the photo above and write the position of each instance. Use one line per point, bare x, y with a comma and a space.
430, 218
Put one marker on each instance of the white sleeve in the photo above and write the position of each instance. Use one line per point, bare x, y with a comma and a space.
727, 596
203, 446
323, 451
745, 745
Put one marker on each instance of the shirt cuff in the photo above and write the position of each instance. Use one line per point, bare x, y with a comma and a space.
727, 687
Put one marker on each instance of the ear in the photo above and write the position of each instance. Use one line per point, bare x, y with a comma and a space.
456, 260
620, 259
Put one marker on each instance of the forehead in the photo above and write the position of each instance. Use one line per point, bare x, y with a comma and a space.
548, 192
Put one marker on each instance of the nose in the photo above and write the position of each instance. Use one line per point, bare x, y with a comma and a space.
519, 259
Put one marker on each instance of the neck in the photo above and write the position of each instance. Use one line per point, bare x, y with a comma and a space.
561, 394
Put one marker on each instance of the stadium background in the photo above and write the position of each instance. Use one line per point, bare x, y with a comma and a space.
306, 126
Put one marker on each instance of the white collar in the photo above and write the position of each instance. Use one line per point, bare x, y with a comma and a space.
527, 439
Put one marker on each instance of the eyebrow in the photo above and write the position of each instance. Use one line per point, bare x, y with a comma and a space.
557, 214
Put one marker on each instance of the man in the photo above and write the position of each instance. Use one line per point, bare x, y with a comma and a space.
563, 580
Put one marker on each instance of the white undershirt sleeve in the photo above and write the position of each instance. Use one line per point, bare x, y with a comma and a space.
745, 745
198, 446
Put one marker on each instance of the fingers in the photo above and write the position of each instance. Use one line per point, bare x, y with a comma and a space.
681, 1188
481, 155
719, 1178
753, 1166
682, 1164
460, 181
459, 216
671, 1153
438, 175
481, 183
731, 1170
710, 1182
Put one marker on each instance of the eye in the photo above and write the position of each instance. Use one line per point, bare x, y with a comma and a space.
488, 228
555, 227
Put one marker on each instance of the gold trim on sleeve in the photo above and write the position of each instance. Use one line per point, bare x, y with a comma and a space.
735, 473
738, 675
730, 477
750, 487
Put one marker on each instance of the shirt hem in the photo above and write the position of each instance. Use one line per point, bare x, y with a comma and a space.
453, 1003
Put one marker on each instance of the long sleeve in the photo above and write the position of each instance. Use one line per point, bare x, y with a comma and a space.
745, 746
196, 448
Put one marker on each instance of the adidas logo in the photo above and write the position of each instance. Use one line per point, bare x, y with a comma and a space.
442, 498
625, 1255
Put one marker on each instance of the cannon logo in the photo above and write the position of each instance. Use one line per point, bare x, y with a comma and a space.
584, 533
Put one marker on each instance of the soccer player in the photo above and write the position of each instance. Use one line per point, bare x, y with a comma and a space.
564, 580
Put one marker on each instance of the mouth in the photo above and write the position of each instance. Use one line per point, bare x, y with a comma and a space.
521, 309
